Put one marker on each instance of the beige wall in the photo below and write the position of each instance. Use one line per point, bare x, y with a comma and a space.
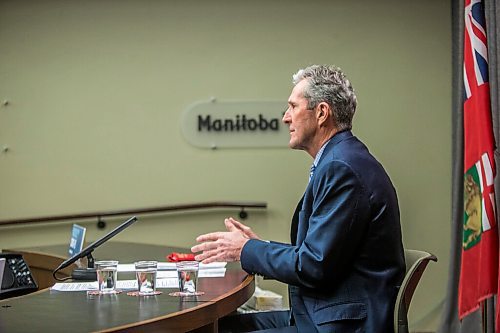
97, 88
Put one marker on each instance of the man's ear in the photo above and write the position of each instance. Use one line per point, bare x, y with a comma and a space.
323, 113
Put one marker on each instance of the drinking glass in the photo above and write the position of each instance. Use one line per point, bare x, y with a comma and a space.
187, 273
146, 277
107, 273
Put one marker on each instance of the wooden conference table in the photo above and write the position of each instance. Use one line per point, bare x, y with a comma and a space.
55, 311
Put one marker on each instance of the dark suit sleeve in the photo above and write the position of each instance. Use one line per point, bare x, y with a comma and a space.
334, 221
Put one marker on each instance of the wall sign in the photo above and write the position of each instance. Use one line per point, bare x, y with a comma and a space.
214, 124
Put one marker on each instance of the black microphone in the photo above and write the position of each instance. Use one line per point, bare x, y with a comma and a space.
90, 273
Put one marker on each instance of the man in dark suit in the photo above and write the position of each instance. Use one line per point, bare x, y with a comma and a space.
346, 260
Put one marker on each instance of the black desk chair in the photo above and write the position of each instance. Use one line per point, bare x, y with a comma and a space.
416, 262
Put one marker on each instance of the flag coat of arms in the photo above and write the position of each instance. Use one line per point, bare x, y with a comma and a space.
479, 265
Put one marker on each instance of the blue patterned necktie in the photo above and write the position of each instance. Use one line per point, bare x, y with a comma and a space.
311, 173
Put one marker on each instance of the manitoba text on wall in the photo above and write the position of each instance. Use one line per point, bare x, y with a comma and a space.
230, 124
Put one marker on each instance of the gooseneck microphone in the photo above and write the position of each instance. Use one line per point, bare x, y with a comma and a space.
89, 273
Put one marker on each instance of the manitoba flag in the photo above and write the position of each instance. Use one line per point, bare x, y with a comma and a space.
479, 267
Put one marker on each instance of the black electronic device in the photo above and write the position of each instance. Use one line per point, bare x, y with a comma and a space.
15, 276
89, 273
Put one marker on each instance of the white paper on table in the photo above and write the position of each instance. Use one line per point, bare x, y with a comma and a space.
75, 286
167, 270
170, 266
120, 284
219, 272
216, 272
212, 265
164, 279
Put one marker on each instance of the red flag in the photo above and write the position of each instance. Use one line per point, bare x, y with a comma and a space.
479, 267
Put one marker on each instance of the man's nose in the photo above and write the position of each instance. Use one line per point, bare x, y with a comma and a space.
286, 117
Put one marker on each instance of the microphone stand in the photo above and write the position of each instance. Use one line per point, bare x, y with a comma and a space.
86, 274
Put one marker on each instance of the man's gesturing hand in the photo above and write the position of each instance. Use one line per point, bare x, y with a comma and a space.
224, 245
233, 225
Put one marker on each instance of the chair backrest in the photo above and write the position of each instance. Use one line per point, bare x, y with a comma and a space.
416, 262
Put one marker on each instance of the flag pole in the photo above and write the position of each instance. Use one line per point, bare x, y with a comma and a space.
484, 314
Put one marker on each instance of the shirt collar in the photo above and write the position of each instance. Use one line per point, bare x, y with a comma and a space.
339, 136
320, 152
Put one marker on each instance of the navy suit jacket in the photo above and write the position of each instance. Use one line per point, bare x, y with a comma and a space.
345, 262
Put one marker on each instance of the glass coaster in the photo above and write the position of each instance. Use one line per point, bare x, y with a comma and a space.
137, 293
100, 293
184, 294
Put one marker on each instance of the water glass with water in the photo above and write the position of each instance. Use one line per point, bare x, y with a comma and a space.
187, 272
146, 277
107, 273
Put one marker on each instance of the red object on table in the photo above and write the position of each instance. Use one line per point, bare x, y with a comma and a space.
175, 257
